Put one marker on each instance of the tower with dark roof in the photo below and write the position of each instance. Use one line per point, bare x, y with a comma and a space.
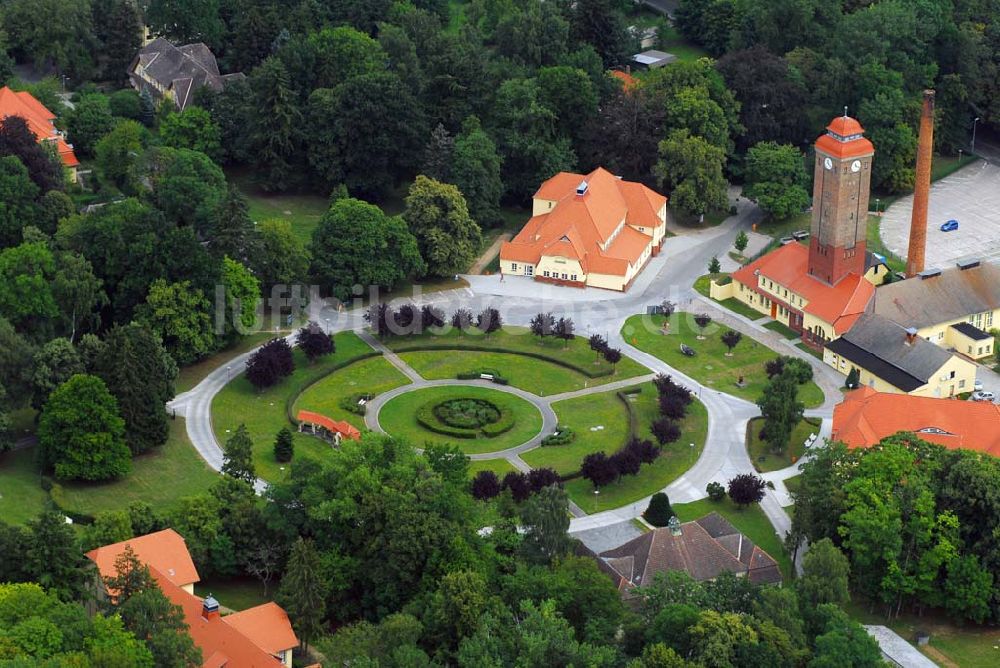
841, 187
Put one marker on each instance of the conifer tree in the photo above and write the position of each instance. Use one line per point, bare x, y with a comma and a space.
237, 456
284, 446
303, 591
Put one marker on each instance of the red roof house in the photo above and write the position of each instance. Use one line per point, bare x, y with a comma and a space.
259, 637
588, 230
865, 417
40, 122
337, 429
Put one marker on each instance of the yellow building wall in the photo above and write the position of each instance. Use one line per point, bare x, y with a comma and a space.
721, 292
512, 268
812, 323
750, 298
607, 281
877, 274
540, 206
557, 266
944, 336
941, 385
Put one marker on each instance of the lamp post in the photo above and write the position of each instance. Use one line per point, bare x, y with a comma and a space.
975, 121
228, 369
877, 200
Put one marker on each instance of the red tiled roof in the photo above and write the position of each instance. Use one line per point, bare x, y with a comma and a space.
578, 225
844, 126
839, 305
865, 417
38, 118
628, 81
345, 429
247, 639
164, 551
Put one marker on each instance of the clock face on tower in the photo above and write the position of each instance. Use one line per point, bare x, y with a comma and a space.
856, 166
828, 163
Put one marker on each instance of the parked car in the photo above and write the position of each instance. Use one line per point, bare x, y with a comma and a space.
950, 226
784, 241
983, 395
688, 350
799, 235
978, 385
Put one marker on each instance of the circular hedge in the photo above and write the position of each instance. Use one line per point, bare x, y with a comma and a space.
466, 417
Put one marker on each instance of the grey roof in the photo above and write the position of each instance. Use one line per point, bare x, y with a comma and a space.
954, 294
654, 58
881, 346
971, 331
183, 69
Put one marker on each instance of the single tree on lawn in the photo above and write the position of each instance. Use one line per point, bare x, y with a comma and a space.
598, 344
714, 267
564, 330
626, 462
303, 591
461, 320
667, 308
731, 338
645, 450
485, 485
659, 512
81, 435
598, 469
853, 378
612, 356
741, 241
703, 320
431, 316
489, 321
237, 456
746, 488
673, 406
518, 485
539, 479
716, 492
665, 430
270, 363
284, 446
542, 325
314, 342
781, 409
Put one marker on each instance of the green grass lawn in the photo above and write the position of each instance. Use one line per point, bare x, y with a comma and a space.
710, 366
398, 418
968, 646
264, 412
782, 329
760, 453
793, 484
581, 414
371, 376
675, 43
738, 307
21, 493
161, 477
527, 373
674, 460
703, 284
518, 339
302, 211
751, 522
236, 593
499, 466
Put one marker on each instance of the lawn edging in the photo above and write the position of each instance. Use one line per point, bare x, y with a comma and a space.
291, 399
590, 373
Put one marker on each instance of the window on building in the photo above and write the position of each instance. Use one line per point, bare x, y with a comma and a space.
513, 266
989, 319
968, 350
545, 274
961, 384
572, 277
564, 277
951, 375
529, 270
940, 335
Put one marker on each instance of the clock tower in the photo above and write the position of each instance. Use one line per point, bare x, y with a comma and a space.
841, 186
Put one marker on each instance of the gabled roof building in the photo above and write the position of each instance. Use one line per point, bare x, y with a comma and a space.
588, 230
259, 637
865, 417
40, 122
176, 72
704, 549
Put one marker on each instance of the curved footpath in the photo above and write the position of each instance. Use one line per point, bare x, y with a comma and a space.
670, 275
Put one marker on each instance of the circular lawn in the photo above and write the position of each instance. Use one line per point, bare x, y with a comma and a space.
476, 419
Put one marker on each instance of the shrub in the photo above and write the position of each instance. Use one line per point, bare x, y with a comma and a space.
644, 450
314, 342
716, 491
425, 417
672, 406
745, 489
539, 479
666, 431
626, 462
503, 424
352, 403
518, 485
798, 369
598, 469
659, 512
853, 379
562, 436
270, 363
485, 485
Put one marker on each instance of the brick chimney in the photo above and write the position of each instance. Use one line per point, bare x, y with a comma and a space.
921, 189
911, 335
209, 608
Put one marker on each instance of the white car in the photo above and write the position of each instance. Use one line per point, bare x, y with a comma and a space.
978, 385
983, 395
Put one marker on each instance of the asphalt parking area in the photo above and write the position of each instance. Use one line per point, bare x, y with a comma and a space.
972, 197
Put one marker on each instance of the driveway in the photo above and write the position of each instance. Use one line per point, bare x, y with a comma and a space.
972, 197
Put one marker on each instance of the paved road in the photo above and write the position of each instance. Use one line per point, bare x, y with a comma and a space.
972, 197
668, 276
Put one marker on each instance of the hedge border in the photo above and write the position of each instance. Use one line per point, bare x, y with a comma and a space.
425, 418
290, 401
525, 353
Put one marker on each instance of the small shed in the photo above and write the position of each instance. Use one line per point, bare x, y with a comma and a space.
653, 59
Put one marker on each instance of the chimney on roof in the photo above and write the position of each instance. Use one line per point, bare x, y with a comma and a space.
674, 525
911, 335
209, 608
967, 264
921, 189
